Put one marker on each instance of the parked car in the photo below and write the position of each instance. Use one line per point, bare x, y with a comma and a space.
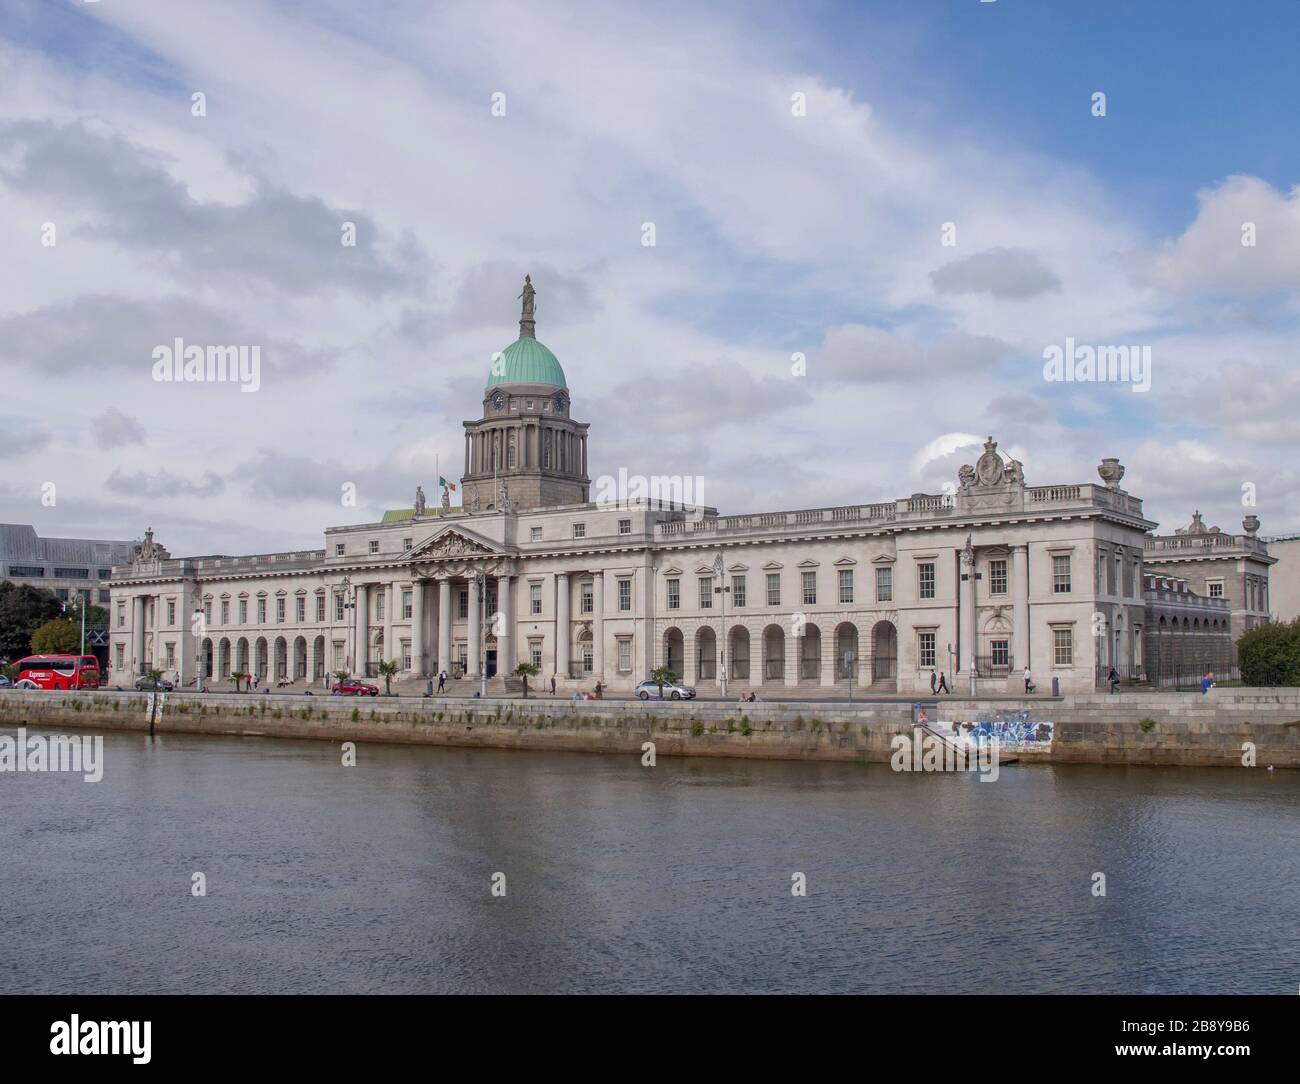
353, 687
147, 684
5, 683
672, 691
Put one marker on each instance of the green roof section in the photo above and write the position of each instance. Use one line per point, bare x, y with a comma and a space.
399, 515
526, 361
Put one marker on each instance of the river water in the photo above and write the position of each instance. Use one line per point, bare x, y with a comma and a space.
618, 877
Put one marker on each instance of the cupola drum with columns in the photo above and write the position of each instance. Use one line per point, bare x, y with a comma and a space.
526, 451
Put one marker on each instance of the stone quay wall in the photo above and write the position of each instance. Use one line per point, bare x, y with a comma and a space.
1095, 728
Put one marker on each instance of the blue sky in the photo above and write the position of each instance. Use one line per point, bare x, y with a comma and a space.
817, 233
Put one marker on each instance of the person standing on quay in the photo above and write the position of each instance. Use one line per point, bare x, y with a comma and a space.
934, 682
1029, 682
442, 681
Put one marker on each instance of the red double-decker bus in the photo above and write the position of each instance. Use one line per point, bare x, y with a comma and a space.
58, 672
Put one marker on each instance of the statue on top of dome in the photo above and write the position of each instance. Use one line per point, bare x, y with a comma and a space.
527, 325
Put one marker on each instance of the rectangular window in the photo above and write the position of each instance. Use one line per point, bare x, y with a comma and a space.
169, 655
624, 655
624, 526
925, 649
338, 655
462, 657
534, 534
706, 592
243, 611
1001, 652
207, 613
408, 604
535, 653
171, 613
338, 607
462, 604
121, 656
534, 598
884, 585
809, 580
29, 572
1216, 590
338, 549
774, 589
738, 592
104, 596
846, 585
1063, 647
674, 594
925, 579
406, 652
587, 593
225, 612
406, 545
1061, 574
579, 530
300, 609
105, 573
625, 596
320, 607
72, 573
279, 611
374, 545
998, 577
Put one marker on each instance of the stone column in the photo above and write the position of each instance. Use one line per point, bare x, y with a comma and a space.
475, 630
563, 628
598, 625
966, 660
363, 628
417, 628
137, 634
505, 639
444, 625
390, 649
1019, 572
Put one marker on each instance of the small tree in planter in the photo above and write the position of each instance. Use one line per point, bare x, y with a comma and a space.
340, 675
386, 671
661, 676
526, 670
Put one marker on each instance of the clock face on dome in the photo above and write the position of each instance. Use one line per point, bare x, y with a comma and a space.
499, 401
561, 401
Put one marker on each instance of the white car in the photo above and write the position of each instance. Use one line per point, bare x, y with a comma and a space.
648, 690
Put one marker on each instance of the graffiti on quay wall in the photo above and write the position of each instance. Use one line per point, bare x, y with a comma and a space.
1010, 728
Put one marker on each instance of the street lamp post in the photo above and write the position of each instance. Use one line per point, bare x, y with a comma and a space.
349, 605
722, 593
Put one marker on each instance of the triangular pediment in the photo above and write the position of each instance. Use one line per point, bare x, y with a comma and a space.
453, 543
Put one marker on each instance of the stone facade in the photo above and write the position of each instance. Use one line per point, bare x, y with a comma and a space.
975, 584
1284, 578
1216, 564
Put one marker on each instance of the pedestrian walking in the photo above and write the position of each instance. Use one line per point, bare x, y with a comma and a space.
442, 681
552, 684
1113, 678
1029, 682
943, 684
934, 683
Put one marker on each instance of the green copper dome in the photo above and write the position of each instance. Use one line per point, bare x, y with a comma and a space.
526, 361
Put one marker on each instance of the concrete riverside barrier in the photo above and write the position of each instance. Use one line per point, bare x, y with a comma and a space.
1094, 728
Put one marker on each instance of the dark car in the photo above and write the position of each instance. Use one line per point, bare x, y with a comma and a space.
352, 687
147, 684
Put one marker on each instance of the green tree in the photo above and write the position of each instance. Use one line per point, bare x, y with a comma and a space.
1270, 654
386, 671
57, 637
661, 676
23, 609
526, 670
